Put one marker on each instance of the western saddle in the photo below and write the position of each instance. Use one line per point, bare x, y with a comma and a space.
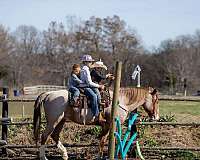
84, 102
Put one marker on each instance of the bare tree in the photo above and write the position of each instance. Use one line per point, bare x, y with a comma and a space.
5, 50
26, 42
46, 57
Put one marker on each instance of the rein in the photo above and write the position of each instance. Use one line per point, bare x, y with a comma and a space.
124, 109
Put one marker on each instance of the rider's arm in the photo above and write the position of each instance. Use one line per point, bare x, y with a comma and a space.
76, 79
87, 77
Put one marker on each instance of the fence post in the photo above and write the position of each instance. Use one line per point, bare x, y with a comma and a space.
111, 148
4, 115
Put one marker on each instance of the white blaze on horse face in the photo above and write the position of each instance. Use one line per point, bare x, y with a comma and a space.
157, 117
156, 106
157, 109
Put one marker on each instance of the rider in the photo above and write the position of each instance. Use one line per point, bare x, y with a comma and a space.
98, 72
74, 82
90, 87
98, 75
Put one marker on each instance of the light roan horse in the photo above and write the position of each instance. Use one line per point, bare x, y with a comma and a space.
57, 111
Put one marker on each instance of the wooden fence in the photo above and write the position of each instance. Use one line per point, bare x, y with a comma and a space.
5, 121
34, 90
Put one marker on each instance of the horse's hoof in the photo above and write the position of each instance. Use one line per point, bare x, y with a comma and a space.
43, 158
65, 158
100, 156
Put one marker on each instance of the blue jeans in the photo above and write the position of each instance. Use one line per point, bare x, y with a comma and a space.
93, 100
96, 90
75, 92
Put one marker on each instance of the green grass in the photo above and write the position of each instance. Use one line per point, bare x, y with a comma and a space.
179, 107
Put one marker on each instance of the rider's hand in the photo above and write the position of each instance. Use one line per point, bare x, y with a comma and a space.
109, 75
112, 77
101, 87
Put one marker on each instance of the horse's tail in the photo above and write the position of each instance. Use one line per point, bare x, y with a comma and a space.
37, 116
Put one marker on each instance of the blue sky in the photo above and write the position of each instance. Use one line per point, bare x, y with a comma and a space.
154, 20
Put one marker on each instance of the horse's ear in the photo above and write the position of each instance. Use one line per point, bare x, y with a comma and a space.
154, 91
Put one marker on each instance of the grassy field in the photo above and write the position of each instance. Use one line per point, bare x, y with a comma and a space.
180, 107
182, 110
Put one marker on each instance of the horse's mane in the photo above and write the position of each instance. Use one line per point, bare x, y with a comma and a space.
134, 94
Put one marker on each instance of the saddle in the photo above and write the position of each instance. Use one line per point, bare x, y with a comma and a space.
83, 106
84, 102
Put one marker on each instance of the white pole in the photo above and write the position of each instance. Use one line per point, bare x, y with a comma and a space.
23, 111
138, 82
185, 93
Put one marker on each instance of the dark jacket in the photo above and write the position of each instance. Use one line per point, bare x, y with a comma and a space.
97, 76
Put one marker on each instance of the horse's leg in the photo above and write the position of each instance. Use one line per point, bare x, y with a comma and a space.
51, 125
104, 135
45, 136
55, 136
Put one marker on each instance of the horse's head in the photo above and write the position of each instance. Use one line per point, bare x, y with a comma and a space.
132, 98
151, 104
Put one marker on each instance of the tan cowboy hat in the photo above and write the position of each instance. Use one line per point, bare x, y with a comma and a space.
99, 64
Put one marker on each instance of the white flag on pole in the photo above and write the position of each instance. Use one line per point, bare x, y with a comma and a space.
136, 73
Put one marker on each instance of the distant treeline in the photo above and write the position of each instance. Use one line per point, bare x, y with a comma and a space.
31, 57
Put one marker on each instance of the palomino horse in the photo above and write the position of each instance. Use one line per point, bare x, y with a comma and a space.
57, 111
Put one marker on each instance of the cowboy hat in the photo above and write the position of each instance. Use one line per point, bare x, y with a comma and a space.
87, 58
99, 64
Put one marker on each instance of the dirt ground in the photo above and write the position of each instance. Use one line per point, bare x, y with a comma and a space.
164, 136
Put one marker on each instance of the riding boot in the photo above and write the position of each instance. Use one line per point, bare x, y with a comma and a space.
101, 118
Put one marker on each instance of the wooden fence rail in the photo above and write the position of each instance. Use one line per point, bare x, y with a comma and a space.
96, 145
41, 88
8, 121
179, 98
161, 98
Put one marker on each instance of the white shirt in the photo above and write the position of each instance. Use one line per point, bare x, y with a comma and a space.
86, 78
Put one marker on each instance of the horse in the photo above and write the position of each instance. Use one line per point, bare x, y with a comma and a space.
57, 110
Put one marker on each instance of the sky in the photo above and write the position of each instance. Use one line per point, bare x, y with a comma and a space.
154, 20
